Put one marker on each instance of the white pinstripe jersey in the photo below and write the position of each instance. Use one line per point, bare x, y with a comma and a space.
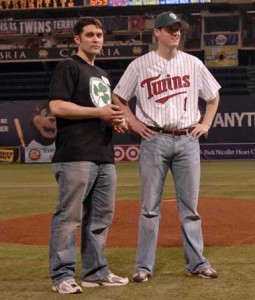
167, 91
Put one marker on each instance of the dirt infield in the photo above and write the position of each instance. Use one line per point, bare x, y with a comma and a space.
225, 222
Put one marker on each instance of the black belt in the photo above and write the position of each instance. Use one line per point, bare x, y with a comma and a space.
173, 131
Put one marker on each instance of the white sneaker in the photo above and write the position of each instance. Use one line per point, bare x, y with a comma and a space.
141, 276
109, 280
68, 286
207, 273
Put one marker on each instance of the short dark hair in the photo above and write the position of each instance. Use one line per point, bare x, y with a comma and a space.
85, 21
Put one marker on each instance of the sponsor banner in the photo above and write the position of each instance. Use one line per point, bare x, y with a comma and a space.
126, 153
39, 154
122, 153
234, 121
26, 124
41, 26
9, 155
221, 56
6, 155
36, 26
58, 53
143, 2
130, 153
30, 125
221, 49
221, 39
227, 151
232, 133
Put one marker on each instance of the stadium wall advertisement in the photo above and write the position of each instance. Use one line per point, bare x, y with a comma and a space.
51, 54
28, 130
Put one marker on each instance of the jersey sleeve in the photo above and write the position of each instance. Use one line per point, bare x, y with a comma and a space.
63, 81
127, 84
208, 84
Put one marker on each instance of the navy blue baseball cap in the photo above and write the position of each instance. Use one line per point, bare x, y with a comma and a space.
166, 19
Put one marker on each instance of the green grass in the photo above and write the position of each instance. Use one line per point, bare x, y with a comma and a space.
230, 179
28, 278
31, 189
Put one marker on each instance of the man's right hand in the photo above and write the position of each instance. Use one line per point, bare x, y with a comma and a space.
111, 113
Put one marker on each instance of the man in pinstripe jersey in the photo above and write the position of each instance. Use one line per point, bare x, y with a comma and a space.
167, 84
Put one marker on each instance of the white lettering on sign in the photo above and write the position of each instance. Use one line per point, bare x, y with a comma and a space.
35, 27
110, 52
234, 119
12, 55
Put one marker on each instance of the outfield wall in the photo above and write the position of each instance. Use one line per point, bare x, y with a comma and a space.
29, 125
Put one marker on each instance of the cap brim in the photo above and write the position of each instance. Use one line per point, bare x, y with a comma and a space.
183, 25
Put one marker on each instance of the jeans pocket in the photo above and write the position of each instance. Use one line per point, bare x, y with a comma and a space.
192, 138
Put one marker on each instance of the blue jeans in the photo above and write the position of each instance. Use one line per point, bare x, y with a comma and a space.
180, 154
86, 199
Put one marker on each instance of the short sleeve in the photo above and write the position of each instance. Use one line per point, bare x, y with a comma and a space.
209, 85
127, 84
63, 81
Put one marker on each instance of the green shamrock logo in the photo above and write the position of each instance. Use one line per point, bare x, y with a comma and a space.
101, 92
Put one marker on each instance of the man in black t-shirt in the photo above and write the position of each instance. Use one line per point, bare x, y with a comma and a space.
83, 163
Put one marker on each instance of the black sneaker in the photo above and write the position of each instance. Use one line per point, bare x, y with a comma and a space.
207, 273
141, 276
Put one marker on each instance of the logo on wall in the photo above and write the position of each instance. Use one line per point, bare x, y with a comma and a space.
34, 154
126, 153
221, 39
137, 50
43, 53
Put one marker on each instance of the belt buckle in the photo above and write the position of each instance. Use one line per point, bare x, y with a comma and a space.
188, 130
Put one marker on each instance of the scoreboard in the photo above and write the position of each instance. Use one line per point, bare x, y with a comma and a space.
141, 2
38, 4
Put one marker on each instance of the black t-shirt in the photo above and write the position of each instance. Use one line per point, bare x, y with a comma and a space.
76, 81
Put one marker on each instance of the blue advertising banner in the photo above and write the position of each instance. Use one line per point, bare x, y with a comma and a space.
26, 124
232, 135
227, 151
29, 125
221, 39
234, 122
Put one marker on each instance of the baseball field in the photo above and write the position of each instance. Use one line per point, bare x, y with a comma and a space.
227, 205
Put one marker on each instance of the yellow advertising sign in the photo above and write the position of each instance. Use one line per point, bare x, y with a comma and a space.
221, 49
6, 155
221, 56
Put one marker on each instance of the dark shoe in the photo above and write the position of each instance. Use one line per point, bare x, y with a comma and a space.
141, 276
207, 273
109, 280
